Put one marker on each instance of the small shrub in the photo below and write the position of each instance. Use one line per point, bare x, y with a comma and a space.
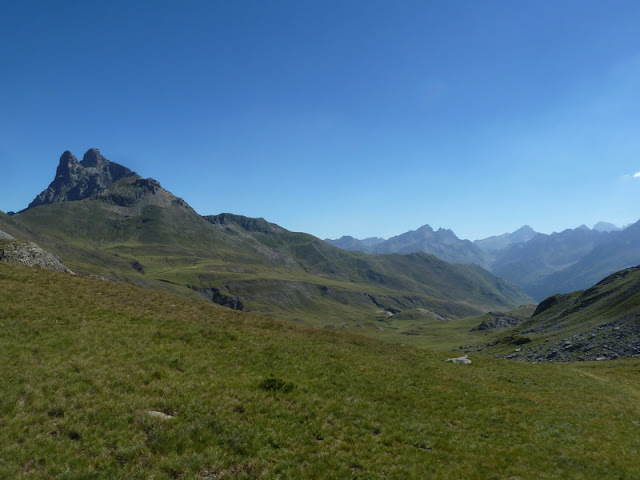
276, 385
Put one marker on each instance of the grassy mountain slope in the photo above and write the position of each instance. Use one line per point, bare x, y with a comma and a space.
601, 322
85, 361
138, 232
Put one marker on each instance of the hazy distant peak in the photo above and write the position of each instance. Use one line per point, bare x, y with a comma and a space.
500, 242
371, 241
525, 229
606, 227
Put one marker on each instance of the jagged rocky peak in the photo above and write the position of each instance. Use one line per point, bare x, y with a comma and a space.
77, 180
93, 158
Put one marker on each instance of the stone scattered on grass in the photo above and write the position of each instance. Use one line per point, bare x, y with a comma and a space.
462, 360
158, 414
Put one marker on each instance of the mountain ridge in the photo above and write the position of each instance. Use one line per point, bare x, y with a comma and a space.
134, 230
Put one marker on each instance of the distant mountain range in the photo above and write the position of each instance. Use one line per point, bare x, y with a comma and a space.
540, 264
500, 242
103, 219
442, 243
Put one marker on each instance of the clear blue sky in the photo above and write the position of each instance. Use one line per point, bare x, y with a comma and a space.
367, 118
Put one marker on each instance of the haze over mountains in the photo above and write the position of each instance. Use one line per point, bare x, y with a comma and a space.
541, 264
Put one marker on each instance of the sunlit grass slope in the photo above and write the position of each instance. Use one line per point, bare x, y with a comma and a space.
84, 361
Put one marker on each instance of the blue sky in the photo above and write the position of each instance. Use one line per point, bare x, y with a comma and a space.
367, 118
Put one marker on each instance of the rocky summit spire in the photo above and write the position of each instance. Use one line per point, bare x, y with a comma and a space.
67, 166
93, 158
77, 180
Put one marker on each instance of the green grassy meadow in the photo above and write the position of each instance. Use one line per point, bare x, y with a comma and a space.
84, 361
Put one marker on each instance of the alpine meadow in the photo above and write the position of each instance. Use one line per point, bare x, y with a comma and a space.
320, 240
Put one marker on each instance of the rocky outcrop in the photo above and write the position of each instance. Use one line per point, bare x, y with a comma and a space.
550, 302
499, 322
216, 296
30, 255
259, 225
608, 341
5, 236
463, 360
78, 180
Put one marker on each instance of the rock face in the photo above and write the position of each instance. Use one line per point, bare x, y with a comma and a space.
5, 236
500, 322
216, 296
77, 180
30, 255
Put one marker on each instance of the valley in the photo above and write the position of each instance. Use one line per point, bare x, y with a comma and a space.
319, 240
222, 346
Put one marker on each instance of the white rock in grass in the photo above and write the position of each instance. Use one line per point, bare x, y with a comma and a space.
161, 415
463, 360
